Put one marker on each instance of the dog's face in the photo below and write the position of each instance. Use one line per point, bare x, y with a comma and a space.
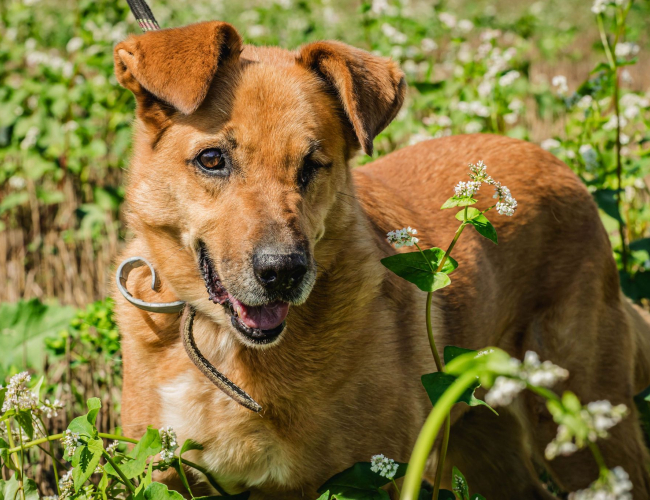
239, 157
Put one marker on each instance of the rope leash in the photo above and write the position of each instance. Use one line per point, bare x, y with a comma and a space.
148, 22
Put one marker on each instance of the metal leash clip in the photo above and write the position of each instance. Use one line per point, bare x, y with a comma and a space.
122, 276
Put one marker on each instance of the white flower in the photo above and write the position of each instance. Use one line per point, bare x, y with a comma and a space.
428, 45
465, 25
17, 183
516, 105
510, 118
626, 49
490, 34
544, 374
550, 144
379, 7
504, 391
560, 82
509, 78
602, 416
562, 444
18, 396
631, 112
256, 31
478, 172
599, 6
589, 155
466, 189
385, 467
71, 442
51, 409
585, 102
447, 19
506, 204
74, 44
402, 237
473, 127
66, 484
112, 448
30, 138
393, 34
484, 88
613, 122
168, 442
626, 77
615, 485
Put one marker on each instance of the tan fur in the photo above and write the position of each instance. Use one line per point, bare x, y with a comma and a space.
343, 382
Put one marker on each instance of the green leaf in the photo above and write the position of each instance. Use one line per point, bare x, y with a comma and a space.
148, 446
238, 496
455, 201
459, 485
485, 228
471, 214
427, 87
606, 200
451, 352
159, 491
23, 327
358, 477
413, 268
190, 444
324, 496
102, 485
87, 462
25, 420
94, 405
443, 495
476, 496
30, 488
438, 382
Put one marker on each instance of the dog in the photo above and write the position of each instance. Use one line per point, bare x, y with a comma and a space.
240, 183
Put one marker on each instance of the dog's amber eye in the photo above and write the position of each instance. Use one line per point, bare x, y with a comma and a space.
212, 160
307, 172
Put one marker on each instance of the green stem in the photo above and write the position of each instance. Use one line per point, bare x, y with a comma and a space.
395, 485
425, 257
124, 479
595, 451
21, 486
207, 474
451, 246
429, 432
51, 454
605, 42
56, 437
432, 342
440, 466
544, 392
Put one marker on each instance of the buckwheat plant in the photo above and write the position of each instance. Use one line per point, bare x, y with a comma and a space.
429, 269
579, 426
125, 474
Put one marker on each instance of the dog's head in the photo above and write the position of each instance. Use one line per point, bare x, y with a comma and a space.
239, 155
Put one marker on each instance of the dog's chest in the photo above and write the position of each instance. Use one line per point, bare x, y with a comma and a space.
240, 451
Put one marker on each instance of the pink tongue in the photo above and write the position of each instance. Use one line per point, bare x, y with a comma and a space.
264, 317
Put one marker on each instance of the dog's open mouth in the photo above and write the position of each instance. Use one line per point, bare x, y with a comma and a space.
260, 324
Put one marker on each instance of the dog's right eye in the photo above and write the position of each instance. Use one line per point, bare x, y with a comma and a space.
213, 161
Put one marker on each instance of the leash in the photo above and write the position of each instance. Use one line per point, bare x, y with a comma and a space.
148, 22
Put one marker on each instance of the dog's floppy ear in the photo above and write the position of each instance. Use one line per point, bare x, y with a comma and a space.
370, 88
176, 65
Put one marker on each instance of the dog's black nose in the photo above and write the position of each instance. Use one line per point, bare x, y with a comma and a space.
279, 271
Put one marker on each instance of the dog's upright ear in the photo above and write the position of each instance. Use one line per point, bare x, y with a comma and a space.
177, 65
371, 88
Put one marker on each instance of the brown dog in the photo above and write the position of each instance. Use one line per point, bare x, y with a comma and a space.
240, 182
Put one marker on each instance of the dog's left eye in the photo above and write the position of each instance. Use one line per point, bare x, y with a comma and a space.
213, 161
307, 172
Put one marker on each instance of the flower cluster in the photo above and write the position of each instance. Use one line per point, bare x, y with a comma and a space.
613, 485
51, 409
531, 371
599, 6
385, 467
506, 204
70, 441
18, 396
169, 444
402, 237
66, 485
112, 448
594, 420
466, 189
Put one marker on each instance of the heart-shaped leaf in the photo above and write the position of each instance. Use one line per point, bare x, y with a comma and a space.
414, 268
455, 201
438, 382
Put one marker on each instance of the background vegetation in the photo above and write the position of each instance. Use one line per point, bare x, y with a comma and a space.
472, 66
